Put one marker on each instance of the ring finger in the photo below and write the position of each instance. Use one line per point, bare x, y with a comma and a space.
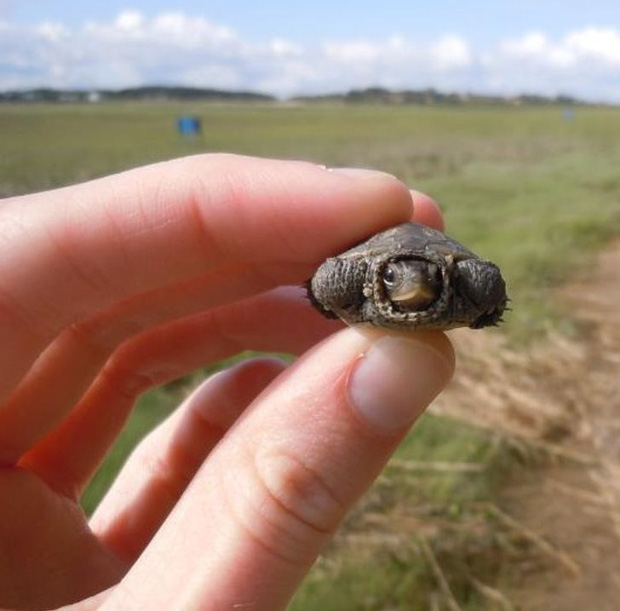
165, 461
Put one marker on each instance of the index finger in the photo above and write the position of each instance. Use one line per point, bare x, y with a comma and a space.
68, 253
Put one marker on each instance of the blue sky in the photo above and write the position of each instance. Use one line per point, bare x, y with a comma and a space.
286, 48
483, 21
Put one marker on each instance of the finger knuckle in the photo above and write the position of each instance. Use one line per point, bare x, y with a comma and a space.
162, 474
126, 382
293, 507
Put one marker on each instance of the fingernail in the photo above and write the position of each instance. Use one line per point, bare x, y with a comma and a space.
361, 173
395, 381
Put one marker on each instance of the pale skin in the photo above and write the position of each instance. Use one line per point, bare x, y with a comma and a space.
112, 287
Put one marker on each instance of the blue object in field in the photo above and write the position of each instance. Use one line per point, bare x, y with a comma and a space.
189, 126
568, 114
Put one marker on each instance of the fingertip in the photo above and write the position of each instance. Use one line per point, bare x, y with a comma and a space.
386, 199
426, 210
222, 397
279, 204
397, 378
254, 374
439, 341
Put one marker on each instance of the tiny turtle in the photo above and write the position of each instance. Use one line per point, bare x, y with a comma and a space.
410, 277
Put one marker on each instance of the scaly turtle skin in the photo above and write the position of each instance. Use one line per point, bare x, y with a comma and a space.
410, 277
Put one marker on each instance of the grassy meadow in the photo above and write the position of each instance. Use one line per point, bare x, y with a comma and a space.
534, 192
522, 186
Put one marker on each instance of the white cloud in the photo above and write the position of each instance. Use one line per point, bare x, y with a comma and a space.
596, 44
176, 48
54, 32
585, 63
452, 53
536, 49
130, 21
447, 53
396, 62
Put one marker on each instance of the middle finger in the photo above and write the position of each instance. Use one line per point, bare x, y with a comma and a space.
64, 371
280, 320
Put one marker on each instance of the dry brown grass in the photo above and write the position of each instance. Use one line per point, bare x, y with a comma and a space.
560, 397
552, 541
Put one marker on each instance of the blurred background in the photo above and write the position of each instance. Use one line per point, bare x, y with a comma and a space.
507, 494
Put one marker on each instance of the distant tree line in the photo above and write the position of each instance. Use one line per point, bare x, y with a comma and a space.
429, 97
150, 93
371, 95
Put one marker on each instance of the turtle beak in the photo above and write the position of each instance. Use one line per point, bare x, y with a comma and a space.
415, 285
414, 294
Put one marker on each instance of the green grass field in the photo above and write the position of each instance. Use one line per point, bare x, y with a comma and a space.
521, 186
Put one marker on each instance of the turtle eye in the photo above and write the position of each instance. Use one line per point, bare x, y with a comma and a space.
389, 274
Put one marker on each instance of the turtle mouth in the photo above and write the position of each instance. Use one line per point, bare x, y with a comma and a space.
411, 288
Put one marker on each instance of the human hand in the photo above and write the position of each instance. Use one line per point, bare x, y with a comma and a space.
115, 286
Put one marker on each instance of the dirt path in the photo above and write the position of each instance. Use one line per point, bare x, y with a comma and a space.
563, 398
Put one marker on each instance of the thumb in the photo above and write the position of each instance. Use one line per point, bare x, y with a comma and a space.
276, 488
